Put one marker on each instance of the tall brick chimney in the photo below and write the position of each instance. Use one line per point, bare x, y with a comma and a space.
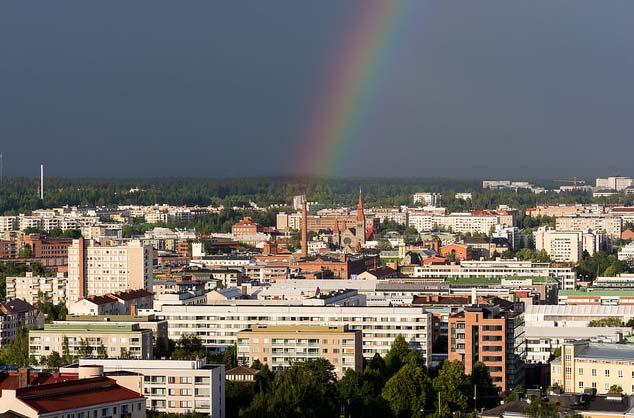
23, 377
82, 268
304, 228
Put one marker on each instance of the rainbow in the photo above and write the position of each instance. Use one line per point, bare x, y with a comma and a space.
350, 87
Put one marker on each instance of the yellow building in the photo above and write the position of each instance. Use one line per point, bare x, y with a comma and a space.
585, 365
280, 346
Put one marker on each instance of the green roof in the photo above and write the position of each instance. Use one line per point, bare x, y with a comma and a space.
84, 327
602, 292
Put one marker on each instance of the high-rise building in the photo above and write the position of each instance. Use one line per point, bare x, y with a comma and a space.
493, 335
95, 270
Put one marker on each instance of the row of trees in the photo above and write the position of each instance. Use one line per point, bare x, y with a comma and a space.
398, 385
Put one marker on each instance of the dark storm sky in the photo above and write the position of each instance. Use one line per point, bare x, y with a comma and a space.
227, 88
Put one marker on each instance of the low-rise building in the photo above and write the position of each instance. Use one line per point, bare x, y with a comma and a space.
585, 365
172, 386
119, 303
116, 339
90, 397
591, 296
281, 346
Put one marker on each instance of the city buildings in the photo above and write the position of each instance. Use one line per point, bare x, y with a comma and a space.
97, 270
217, 325
626, 253
116, 339
281, 346
493, 335
246, 227
118, 303
29, 288
585, 365
172, 386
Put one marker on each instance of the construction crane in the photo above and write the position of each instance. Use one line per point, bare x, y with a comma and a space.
574, 181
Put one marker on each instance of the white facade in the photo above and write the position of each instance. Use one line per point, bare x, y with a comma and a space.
463, 196
29, 288
566, 246
607, 224
498, 269
174, 386
217, 325
617, 183
427, 199
627, 252
567, 316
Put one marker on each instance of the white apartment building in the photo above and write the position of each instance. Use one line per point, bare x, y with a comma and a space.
607, 224
30, 287
172, 386
99, 269
463, 196
8, 223
456, 222
217, 325
427, 199
627, 252
617, 183
542, 341
567, 246
499, 268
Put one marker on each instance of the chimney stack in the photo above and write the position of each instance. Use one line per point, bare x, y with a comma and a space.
23, 377
304, 227
42, 180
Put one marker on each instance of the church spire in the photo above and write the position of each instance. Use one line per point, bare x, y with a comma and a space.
360, 214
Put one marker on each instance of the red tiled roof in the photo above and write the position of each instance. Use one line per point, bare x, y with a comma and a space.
11, 380
101, 300
74, 394
133, 294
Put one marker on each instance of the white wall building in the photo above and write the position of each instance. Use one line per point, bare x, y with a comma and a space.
217, 325
617, 183
567, 246
427, 199
607, 224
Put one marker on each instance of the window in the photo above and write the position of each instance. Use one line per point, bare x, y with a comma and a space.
104, 412
581, 385
607, 373
186, 379
580, 371
607, 387
594, 372
620, 373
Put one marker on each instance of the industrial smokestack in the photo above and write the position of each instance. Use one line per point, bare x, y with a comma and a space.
304, 227
42, 180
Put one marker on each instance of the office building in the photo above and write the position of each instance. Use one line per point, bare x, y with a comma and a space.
567, 246
616, 183
98, 269
281, 346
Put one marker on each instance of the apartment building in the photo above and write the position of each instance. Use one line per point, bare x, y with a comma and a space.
281, 346
617, 183
493, 335
427, 199
119, 339
7, 248
79, 398
171, 386
99, 269
499, 268
8, 223
30, 287
456, 222
43, 247
543, 341
626, 253
15, 314
563, 210
567, 246
607, 224
585, 365
217, 325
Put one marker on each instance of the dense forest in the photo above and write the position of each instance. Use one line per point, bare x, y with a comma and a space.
20, 195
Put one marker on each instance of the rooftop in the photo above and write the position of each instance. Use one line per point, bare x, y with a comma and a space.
613, 352
309, 329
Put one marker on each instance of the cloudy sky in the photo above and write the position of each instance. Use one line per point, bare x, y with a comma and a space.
228, 88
